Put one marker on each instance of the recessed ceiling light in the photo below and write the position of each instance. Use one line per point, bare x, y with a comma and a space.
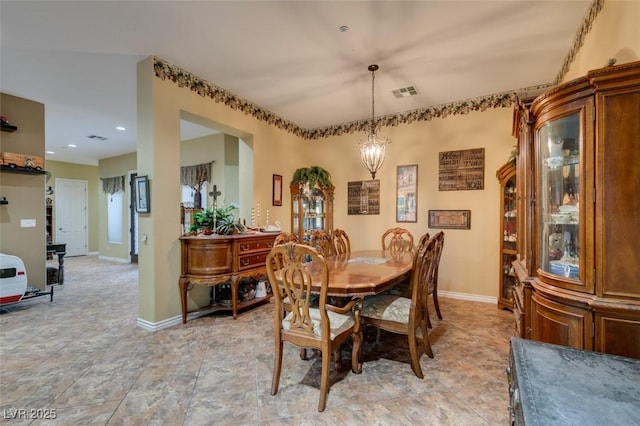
72, 145
122, 129
50, 152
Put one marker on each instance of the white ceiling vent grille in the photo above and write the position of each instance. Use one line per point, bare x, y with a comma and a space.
405, 92
100, 138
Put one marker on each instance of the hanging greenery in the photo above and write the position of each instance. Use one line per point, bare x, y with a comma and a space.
312, 175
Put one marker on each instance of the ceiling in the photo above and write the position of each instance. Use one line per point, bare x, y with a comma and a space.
289, 57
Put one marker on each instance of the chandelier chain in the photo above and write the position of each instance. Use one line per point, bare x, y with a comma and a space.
373, 102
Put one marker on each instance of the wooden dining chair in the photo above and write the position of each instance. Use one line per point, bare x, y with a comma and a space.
324, 328
397, 239
283, 238
424, 239
433, 283
340, 240
321, 241
404, 315
278, 263
404, 288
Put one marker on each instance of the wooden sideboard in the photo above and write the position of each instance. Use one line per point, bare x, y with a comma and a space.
210, 260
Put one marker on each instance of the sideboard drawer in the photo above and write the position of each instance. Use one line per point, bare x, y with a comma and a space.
255, 260
255, 245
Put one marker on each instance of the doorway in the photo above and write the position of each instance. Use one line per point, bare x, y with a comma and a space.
71, 215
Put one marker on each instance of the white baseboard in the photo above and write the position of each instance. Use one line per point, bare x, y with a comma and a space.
170, 322
467, 296
157, 326
113, 259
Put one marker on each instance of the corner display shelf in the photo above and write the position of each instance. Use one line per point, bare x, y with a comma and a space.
508, 233
22, 170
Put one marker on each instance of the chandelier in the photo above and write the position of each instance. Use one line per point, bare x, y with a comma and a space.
374, 148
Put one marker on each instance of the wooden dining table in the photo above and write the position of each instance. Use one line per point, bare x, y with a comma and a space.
362, 272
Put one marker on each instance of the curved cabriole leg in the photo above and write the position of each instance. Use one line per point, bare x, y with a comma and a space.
415, 358
183, 298
436, 304
324, 379
356, 366
277, 367
425, 341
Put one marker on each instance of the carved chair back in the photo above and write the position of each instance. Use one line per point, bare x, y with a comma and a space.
397, 239
341, 243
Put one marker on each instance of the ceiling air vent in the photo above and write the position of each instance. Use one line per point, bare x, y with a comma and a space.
405, 92
100, 138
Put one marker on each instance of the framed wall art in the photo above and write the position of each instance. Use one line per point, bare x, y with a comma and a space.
450, 219
363, 197
407, 193
461, 170
143, 200
277, 190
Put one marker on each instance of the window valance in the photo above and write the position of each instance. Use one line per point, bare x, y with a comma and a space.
113, 184
193, 176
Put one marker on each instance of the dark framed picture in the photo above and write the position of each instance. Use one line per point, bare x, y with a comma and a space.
407, 193
143, 202
363, 197
277, 190
450, 219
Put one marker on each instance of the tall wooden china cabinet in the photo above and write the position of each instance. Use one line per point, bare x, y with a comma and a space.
508, 233
311, 210
578, 180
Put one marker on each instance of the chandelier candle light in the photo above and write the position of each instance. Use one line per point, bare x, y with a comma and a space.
374, 148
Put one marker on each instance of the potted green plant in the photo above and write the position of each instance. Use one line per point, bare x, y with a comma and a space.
225, 222
312, 175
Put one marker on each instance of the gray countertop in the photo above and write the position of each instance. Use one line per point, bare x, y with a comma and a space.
565, 386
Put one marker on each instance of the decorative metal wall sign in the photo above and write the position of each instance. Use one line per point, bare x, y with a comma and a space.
461, 170
363, 197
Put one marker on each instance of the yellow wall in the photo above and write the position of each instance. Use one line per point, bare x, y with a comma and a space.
278, 152
62, 170
615, 34
24, 192
469, 261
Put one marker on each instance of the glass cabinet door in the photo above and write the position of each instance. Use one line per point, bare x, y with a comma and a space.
314, 212
510, 225
558, 204
311, 210
508, 233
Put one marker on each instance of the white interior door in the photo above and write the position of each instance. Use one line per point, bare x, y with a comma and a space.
72, 215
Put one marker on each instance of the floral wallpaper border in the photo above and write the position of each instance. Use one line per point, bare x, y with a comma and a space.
182, 78
578, 41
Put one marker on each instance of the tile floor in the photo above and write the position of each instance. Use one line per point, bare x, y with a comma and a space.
83, 356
